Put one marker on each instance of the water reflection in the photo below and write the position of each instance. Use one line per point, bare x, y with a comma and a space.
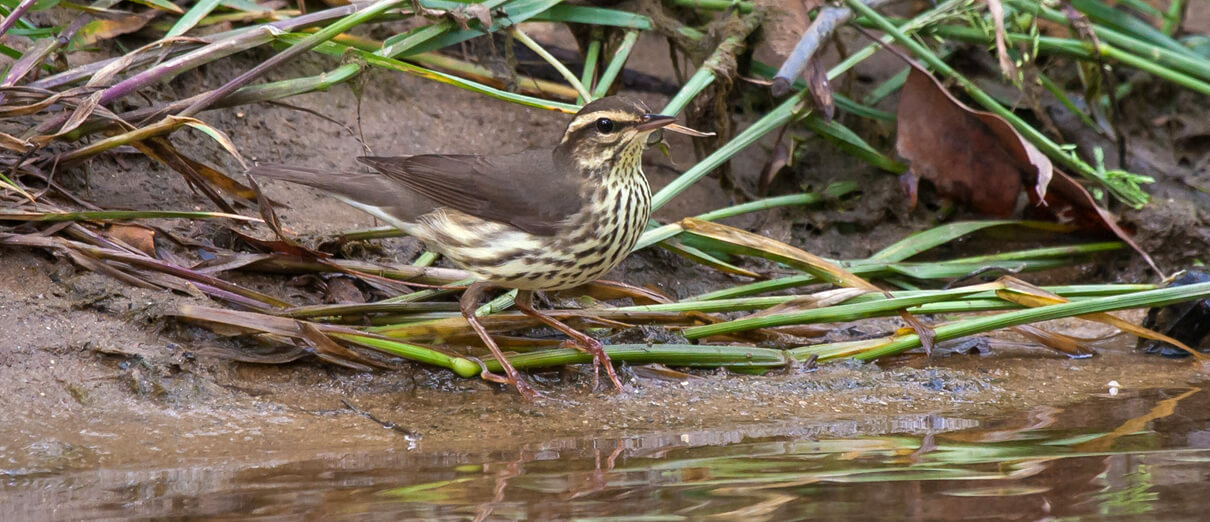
1145, 453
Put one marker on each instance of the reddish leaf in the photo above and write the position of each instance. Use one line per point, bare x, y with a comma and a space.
778, 159
971, 156
1069, 202
139, 237
978, 158
820, 90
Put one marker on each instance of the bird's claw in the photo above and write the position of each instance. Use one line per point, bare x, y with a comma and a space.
599, 359
523, 387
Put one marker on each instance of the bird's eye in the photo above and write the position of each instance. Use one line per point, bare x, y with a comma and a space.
605, 125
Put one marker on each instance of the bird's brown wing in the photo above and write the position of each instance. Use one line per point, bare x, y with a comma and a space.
527, 190
367, 188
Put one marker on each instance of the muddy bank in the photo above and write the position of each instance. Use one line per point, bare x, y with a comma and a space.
116, 389
93, 376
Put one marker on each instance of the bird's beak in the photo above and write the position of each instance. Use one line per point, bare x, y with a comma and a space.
681, 129
654, 121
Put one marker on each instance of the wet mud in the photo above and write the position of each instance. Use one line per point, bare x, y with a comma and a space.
99, 386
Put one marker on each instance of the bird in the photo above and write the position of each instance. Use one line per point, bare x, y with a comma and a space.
538, 220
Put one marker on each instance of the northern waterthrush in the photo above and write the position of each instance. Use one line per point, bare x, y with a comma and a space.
536, 220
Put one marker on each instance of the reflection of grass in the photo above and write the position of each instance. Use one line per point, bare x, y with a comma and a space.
429, 492
971, 463
751, 468
1136, 498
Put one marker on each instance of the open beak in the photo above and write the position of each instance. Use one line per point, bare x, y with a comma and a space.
654, 121
681, 129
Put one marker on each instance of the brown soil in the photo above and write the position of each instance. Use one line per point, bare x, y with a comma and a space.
93, 375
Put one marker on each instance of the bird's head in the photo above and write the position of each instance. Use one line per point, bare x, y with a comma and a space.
610, 128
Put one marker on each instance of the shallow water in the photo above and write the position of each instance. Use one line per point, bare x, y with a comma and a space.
1134, 453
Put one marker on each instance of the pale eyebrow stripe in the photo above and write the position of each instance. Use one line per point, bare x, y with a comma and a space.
587, 119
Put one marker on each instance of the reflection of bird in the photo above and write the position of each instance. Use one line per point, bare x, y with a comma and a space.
536, 220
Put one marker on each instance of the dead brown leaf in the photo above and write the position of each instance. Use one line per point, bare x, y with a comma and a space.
135, 236
778, 159
104, 29
978, 158
962, 151
343, 290
1069, 202
1007, 67
820, 90
607, 290
1065, 344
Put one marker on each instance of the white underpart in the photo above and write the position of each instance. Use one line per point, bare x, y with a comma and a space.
377, 212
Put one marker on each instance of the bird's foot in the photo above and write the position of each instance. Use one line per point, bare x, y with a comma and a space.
599, 359
515, 379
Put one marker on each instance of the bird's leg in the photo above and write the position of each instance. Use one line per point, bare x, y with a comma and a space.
468, 303
524, 302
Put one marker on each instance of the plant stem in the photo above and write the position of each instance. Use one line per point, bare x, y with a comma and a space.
615, 64
554, 62
1149, 298
589, 74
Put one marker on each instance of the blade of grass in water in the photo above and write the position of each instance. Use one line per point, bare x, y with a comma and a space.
691, 355
1145, 299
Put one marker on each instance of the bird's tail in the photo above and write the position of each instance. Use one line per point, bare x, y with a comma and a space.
322, 179
372, 193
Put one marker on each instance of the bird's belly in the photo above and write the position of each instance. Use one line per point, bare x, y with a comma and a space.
507, 257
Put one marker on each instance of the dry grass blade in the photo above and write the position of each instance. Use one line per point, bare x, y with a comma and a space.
148, 263
510, 321
755, 244
332, 351
761, 246
608, 290
1065, 344
1025, 294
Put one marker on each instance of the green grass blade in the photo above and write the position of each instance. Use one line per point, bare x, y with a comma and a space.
615, 64
1145, 299
191, 17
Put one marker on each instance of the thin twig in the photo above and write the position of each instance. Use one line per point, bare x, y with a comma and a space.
827, 22
16, 15
554, 62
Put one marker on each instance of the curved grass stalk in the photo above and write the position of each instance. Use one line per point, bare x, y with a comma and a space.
835, 190
554, 62
691, 355
867, 351
615, 64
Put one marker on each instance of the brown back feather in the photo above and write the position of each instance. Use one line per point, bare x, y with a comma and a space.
370, 188
529, 190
